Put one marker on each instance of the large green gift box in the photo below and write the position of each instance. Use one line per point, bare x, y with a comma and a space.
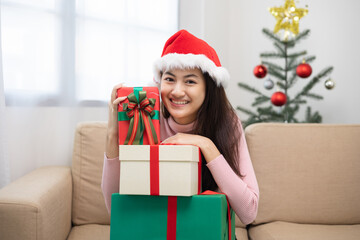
171, 218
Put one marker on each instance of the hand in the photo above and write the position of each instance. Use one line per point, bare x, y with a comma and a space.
112, 143
207, 147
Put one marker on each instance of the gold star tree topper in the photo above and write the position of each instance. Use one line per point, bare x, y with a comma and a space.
288, 17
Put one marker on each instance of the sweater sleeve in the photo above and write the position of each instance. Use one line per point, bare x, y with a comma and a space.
110, 179
242, 192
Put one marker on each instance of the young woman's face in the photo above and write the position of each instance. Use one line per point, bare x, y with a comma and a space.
183, 92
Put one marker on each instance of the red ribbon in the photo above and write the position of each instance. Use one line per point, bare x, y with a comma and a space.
171, 218
199, 172
136, 122
154, 170
147, 120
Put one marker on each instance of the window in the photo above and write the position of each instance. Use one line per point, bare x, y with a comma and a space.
58, 52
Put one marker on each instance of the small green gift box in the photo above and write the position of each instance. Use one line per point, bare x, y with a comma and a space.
171, 218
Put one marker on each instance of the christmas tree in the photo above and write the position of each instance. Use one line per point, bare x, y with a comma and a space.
286, 67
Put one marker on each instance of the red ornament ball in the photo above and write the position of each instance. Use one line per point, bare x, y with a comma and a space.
303, 70
278, 99
260, 71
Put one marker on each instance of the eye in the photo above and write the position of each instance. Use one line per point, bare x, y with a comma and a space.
168, 79
191, 82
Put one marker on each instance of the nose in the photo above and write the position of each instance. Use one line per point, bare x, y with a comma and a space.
178, 90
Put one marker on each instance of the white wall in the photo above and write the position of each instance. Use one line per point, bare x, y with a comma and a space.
208, 19
233, 28
44, 135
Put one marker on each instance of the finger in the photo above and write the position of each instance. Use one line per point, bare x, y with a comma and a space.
171, 139
114, 91
118, 100
165, 141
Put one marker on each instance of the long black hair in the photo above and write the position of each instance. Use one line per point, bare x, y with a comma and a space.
217, 120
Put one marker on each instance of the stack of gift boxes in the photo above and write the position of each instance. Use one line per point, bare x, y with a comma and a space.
160, 185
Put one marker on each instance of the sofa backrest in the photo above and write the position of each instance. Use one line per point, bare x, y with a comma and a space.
307, 173
88, 205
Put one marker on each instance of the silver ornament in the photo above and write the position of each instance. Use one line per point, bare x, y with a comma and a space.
329, 84
268, 84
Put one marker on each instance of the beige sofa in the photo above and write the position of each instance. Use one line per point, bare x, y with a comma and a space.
309, 180
308, 174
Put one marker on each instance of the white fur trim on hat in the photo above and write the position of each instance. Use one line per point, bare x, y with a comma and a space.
187, 61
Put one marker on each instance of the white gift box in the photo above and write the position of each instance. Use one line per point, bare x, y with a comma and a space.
173, 171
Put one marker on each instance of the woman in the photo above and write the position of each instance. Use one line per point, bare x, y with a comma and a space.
196, 111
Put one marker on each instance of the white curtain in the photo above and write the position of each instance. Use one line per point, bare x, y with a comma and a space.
60, 52
4, 164
61, 59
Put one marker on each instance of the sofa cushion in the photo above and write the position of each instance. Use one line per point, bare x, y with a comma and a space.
99, 232
90, 232
238, 222
294, 231
37, 205
241, 233
307, 173
88, 157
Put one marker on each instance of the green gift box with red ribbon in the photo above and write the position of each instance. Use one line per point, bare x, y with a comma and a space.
138, 116
205, 216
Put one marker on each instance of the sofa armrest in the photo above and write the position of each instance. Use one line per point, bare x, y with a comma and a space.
37, 206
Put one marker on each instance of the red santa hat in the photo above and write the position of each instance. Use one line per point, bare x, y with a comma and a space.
183, 50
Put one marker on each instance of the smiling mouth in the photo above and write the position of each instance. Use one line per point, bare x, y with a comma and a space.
179, 102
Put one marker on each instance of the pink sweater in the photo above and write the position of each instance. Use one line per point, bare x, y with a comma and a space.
243, 193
